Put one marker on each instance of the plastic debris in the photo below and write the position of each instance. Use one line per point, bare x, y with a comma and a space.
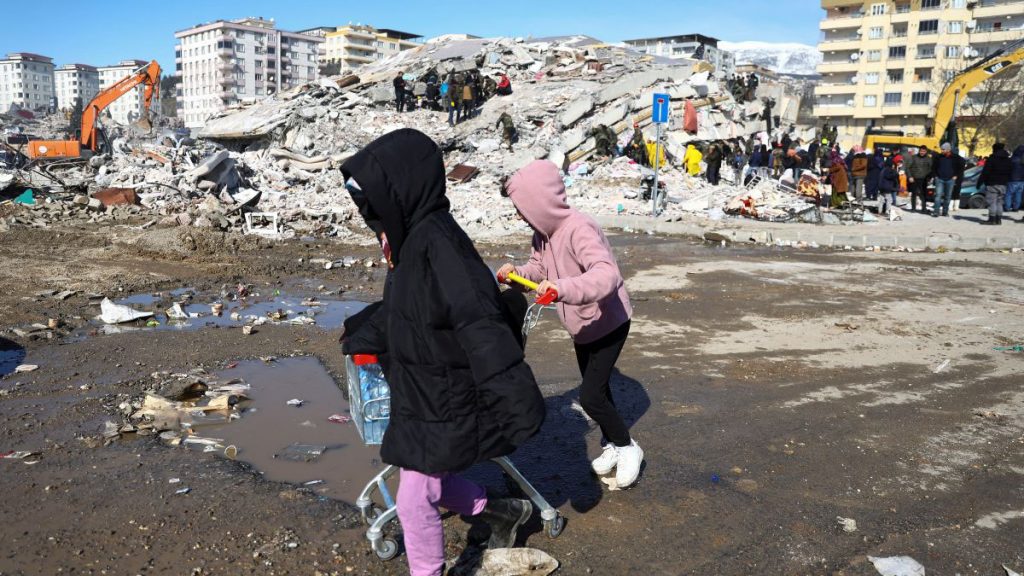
177, 312
506, 562
301, 452
339, 419
111, 313
181, 491
294, 402
1009, 572
942, 366
26, 368
897, 566
849, 525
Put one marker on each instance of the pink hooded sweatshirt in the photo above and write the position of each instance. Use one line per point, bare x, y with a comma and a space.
570, 249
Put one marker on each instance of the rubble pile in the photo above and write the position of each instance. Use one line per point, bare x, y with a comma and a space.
281, 156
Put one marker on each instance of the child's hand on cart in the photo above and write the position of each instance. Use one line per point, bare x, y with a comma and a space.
547, 291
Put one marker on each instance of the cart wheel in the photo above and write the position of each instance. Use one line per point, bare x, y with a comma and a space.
370, 518
554, 527
389, 552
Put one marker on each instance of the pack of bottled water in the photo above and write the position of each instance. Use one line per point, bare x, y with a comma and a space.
369, 397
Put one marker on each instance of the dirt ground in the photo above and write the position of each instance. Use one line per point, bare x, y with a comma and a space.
773, 391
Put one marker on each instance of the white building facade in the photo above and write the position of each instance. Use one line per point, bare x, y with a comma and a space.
26, 82
224, 63
76, 82
130, 107
686, 46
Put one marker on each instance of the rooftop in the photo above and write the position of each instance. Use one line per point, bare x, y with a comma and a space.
28, 56
678, 38
391, 33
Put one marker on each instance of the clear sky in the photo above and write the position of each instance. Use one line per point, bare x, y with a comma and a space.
102, 32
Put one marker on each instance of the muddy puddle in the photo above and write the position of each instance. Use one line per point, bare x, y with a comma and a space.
185, 309
298, 444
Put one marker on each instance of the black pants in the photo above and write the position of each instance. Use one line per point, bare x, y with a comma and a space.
918, 189
400, 101
596, 360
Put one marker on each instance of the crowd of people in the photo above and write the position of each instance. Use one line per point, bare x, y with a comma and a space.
459, 93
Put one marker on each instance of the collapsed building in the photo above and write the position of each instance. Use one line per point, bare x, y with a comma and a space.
272, 167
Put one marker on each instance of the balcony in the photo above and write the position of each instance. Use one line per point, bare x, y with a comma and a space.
227, 81
992, 34
833, 4
359, 34
358, 58
837, 66
226, 52
832, 110
840, 23
995, 8
834, 44
838, 89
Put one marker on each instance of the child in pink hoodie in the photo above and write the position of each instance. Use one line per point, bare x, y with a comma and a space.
572, 256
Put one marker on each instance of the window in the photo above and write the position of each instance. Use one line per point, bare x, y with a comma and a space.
893, 98
871, 101
953, 51
240, 48
928, 27
931, 4
958, 4
874, 55
875, 33
895, 77
926, 51
871, 78
920, 97
877, 9
949, 75
955, 27
897, 52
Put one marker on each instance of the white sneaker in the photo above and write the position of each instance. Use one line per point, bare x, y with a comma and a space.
606, 462
629, 460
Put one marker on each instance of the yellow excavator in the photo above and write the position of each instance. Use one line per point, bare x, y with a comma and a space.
944, 127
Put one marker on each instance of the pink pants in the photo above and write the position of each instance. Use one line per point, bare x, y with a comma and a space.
419, 497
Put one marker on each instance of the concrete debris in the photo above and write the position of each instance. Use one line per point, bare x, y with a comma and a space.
897, 566
271, 167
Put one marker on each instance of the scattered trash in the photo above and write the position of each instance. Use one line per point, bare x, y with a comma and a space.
339, 419
942, 366
505, 562
849, 525
231, 452
177, 312
294, 402
26, 368
301, 452
25, 198
111, 430
111, 313
181, 491
611, 483
247, 330
231, 366
715, 479
312, 482
19, 455
1017, 348
1009, 572
217, 308
174, 481
897, 566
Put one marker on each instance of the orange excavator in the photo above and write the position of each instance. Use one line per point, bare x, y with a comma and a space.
91, 137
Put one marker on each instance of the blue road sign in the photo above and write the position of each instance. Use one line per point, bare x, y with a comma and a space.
662, 102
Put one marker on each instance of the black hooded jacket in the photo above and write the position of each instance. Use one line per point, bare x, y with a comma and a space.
461, 391
998, 169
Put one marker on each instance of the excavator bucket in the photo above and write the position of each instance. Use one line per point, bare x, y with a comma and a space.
144, 123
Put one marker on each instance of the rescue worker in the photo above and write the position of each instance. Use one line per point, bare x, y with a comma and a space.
692, 160
508, 129
604, 138
637, 150
399, 84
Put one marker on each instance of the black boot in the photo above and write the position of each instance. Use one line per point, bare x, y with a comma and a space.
505, 515
999, 220
990, 222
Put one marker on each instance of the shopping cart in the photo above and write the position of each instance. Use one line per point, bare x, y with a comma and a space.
369, 401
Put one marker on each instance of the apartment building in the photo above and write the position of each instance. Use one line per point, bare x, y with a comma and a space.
76, 82
223, 63
319, 32
129, 107
354, 45
686, 46
886, 62
26, 81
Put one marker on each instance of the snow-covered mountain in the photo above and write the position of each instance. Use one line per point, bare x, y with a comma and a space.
784, 58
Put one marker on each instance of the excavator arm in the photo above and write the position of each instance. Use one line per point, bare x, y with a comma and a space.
951, 97
964, 82
149, 75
